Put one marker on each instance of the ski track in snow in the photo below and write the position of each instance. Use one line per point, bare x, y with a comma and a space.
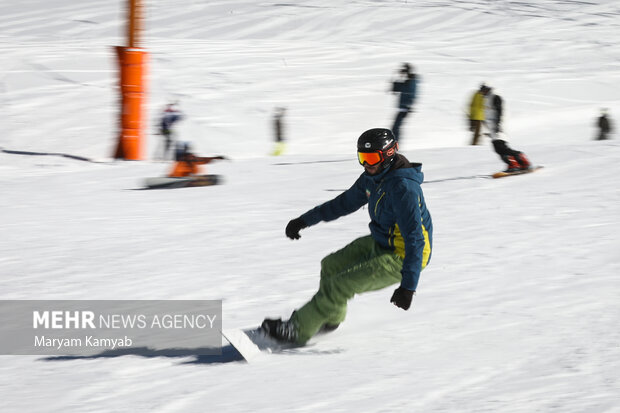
517, 311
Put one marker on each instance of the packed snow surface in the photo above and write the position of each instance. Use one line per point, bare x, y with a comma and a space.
518, 310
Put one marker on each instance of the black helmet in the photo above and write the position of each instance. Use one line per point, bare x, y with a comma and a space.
379, 142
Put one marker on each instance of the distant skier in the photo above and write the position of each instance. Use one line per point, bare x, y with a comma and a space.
396, 251
493, 110
187, 164
278, 131
604, 125
476, 112
169, 117
407, 90
516, 160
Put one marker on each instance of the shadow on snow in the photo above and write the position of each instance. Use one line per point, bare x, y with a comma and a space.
229, 354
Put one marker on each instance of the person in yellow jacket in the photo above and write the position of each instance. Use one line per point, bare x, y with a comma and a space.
476, 112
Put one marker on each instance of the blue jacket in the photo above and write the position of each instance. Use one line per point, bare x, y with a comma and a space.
399, 219
408, 90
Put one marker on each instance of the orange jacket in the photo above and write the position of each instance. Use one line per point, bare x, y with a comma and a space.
184, 168
189, 165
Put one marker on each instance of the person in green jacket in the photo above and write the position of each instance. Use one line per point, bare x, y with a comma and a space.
397, 249
476, 112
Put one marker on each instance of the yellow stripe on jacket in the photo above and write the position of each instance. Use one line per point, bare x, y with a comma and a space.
398, 243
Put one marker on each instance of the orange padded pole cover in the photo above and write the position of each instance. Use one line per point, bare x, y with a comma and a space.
133, 96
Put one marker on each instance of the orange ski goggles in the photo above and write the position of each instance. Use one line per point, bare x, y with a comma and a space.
374, 158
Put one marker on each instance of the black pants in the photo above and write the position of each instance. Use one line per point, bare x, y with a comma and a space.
397, 122
502, 148
504, 151
167, 144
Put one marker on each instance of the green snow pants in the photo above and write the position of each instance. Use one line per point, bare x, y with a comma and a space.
361, 266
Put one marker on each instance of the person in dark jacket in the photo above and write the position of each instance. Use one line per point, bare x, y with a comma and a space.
407, 90
169, 117
493, 112
278, 131
397, 249
604, 126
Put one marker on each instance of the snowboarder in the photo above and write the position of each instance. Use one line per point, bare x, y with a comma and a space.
493, 110
407, 88
604, 125
396, 251
169, 117
516, 160
476, 112
187, 164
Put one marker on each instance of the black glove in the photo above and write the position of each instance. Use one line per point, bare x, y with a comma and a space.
293, 228
402, 298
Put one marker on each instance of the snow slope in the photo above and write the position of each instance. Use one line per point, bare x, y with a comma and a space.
518, 310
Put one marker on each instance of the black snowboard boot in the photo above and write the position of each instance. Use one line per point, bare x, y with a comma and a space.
282, 331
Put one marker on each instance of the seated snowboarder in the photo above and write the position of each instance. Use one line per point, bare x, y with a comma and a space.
187, 164
516, 160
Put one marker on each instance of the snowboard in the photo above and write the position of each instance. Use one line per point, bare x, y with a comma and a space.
253, 343
184, 182
503, 174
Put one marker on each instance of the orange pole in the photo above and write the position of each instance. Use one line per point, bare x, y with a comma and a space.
132, 61
135, 23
